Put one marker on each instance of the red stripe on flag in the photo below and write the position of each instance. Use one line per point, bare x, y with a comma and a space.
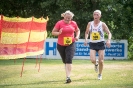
13, 49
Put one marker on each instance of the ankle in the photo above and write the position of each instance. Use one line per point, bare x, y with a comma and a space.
68, 78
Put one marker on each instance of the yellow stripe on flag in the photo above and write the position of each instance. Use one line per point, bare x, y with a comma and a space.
35, 53
18, 38
19, 19
15, 19
14, 38
21, 55
13, 56
37, 36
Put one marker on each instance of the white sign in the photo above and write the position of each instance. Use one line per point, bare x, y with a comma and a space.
118, 50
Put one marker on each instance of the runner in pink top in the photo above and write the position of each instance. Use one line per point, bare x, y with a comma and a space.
65, 30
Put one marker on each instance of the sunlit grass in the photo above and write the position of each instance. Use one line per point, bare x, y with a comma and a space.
116, 74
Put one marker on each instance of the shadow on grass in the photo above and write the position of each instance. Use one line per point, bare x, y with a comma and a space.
45, 83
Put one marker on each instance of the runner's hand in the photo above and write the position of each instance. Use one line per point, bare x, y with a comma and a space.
108, 44
85, 43
60, 31
76, 38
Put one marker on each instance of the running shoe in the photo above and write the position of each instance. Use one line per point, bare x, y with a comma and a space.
68, 80
99, 77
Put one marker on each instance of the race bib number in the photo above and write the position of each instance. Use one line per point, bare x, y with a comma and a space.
67, 40
95, 36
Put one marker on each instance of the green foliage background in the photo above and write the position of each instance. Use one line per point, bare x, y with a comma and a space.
117, 14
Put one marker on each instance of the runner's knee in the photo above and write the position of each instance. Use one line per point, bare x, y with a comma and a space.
101, 61
93, 60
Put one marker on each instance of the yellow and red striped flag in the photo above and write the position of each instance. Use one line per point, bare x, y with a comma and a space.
22, 37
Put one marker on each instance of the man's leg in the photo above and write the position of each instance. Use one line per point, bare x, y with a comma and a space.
101, 61
93, 56
93, 59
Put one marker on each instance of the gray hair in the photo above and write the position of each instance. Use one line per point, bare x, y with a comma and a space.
98, 11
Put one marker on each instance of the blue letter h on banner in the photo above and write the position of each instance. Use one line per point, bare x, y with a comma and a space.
48, 48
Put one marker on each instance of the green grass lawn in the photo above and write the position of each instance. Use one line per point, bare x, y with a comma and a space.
116, 74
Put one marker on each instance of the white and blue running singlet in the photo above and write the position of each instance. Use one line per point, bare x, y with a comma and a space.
96, 33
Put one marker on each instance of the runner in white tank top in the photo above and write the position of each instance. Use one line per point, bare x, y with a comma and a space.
96, 29
96, 33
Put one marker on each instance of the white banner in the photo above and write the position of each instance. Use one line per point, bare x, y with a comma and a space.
118, 50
